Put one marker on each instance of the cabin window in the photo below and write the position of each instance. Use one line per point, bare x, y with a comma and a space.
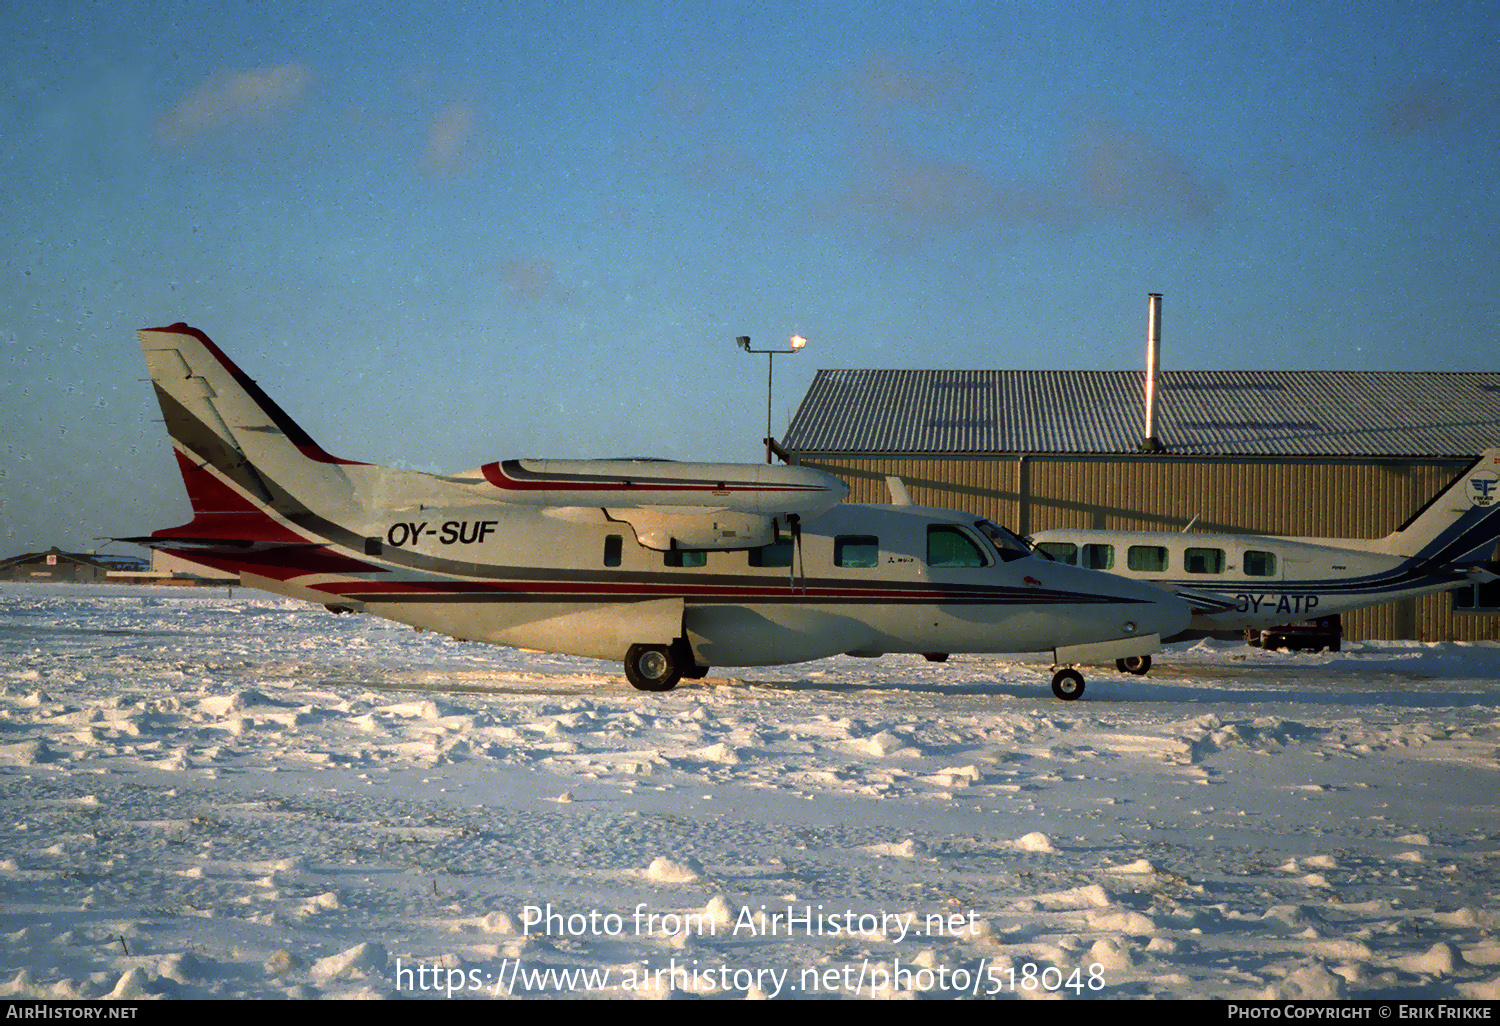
856, 550
614, 547
779, 554
374, 547
1062, 552
1260, 564
1097, 557
685, 557
1204, 561
1147, 558
950, 546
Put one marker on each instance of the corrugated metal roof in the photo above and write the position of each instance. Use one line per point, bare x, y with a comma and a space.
1249, 413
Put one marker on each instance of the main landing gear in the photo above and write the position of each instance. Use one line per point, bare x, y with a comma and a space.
1067, 684
660, 667
1138, 665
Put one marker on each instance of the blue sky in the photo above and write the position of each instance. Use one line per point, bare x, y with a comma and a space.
441, 236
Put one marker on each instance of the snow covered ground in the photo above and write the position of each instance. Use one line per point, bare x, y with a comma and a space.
206, 794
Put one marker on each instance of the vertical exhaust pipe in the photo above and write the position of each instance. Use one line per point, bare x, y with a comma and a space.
1149, 442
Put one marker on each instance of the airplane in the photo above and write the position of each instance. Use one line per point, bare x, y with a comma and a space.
1247, 581
670, 568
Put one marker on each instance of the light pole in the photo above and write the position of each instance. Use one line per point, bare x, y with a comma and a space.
797, 342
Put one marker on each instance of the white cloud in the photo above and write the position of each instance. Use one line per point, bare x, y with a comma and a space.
235, 97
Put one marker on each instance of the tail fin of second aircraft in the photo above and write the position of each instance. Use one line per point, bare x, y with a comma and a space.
1461, 524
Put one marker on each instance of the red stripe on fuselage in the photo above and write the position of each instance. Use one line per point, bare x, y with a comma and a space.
495, 474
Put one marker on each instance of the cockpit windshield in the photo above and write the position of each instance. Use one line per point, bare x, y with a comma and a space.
1006, 543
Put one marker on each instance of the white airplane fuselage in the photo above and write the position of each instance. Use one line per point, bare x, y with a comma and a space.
1236, 581
670, 567
511, 576
1310, 580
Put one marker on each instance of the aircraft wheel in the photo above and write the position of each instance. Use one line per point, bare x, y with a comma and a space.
935, 657
1067, 685
651, 668
1137, 665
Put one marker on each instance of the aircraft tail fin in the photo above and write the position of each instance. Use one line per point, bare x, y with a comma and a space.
1461, 524
239, 453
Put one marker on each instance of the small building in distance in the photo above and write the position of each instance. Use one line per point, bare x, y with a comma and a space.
1301, 453
59, 566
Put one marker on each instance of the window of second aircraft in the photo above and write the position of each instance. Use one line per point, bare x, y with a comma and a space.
1098, 557
1204, 561
1062, 552
1260, 564
1147, 558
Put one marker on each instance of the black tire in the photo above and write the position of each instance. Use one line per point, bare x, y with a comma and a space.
1138, 665
651, 668
1067, 685
935, 657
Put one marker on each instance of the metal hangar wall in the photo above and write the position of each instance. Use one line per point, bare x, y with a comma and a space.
1302, 453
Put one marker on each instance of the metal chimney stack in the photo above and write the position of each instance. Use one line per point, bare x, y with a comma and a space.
1149, 442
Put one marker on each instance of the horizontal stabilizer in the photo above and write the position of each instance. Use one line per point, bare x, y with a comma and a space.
196, 543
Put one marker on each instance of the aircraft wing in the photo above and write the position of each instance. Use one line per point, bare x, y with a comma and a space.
673, 505
743, 488
220, 546
226, 534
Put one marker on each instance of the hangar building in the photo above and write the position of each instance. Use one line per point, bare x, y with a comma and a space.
1305, 453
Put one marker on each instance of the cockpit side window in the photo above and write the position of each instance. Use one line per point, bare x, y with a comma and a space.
949, 546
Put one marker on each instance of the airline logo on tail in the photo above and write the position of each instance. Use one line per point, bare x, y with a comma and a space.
1483, 487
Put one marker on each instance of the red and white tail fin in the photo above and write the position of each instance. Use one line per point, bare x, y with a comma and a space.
236, 448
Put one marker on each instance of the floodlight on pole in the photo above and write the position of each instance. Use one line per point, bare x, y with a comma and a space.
796, 342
